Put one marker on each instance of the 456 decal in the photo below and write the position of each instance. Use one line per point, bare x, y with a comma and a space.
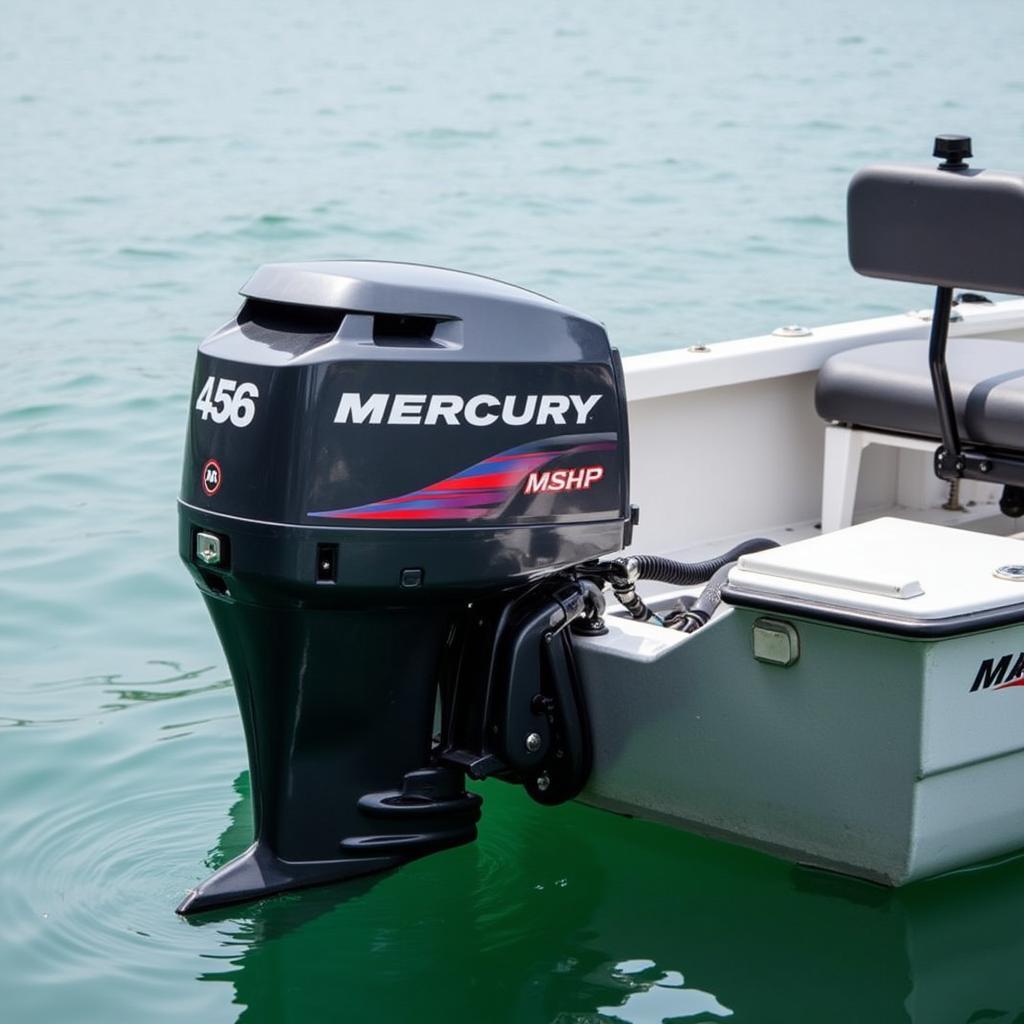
226, 399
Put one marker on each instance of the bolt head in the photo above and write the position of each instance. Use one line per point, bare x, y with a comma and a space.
533, 742
543, 782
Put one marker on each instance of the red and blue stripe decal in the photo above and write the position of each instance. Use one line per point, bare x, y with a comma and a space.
477, 492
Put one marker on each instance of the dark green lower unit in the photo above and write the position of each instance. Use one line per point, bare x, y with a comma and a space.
338, 709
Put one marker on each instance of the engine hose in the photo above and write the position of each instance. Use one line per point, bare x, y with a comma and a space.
623, 574
635, 605
704, 607
687, 574
622, 578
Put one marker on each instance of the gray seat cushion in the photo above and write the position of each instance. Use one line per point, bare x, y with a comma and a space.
888, 387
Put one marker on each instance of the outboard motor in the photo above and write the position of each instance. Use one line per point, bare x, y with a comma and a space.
395, 478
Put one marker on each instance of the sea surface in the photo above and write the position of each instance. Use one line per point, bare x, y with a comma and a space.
676, 169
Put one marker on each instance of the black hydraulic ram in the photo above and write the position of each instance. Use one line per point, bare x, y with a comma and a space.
391, 474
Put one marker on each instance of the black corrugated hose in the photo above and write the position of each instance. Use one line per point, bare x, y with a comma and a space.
688, 574
623, 574
689, 620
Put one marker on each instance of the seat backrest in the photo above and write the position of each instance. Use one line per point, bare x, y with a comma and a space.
954, 227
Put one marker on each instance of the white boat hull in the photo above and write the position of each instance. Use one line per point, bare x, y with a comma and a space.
870, 755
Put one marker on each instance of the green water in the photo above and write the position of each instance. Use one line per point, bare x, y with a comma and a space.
677, 169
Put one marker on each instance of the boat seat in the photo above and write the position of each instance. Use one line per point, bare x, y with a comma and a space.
888, 387
951, 226
883, 394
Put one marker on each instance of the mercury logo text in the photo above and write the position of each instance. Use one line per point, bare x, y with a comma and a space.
998, 675
453, 410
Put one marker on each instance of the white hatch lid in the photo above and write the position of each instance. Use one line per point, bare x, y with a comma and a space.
894, 567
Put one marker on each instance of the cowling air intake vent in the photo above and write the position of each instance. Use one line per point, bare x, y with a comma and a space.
288, 327
396, 331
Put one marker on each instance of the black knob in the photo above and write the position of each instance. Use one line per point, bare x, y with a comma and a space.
953, 149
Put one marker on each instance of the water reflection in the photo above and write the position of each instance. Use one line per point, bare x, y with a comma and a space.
657, 996
179, 680
78, 693
572, 916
